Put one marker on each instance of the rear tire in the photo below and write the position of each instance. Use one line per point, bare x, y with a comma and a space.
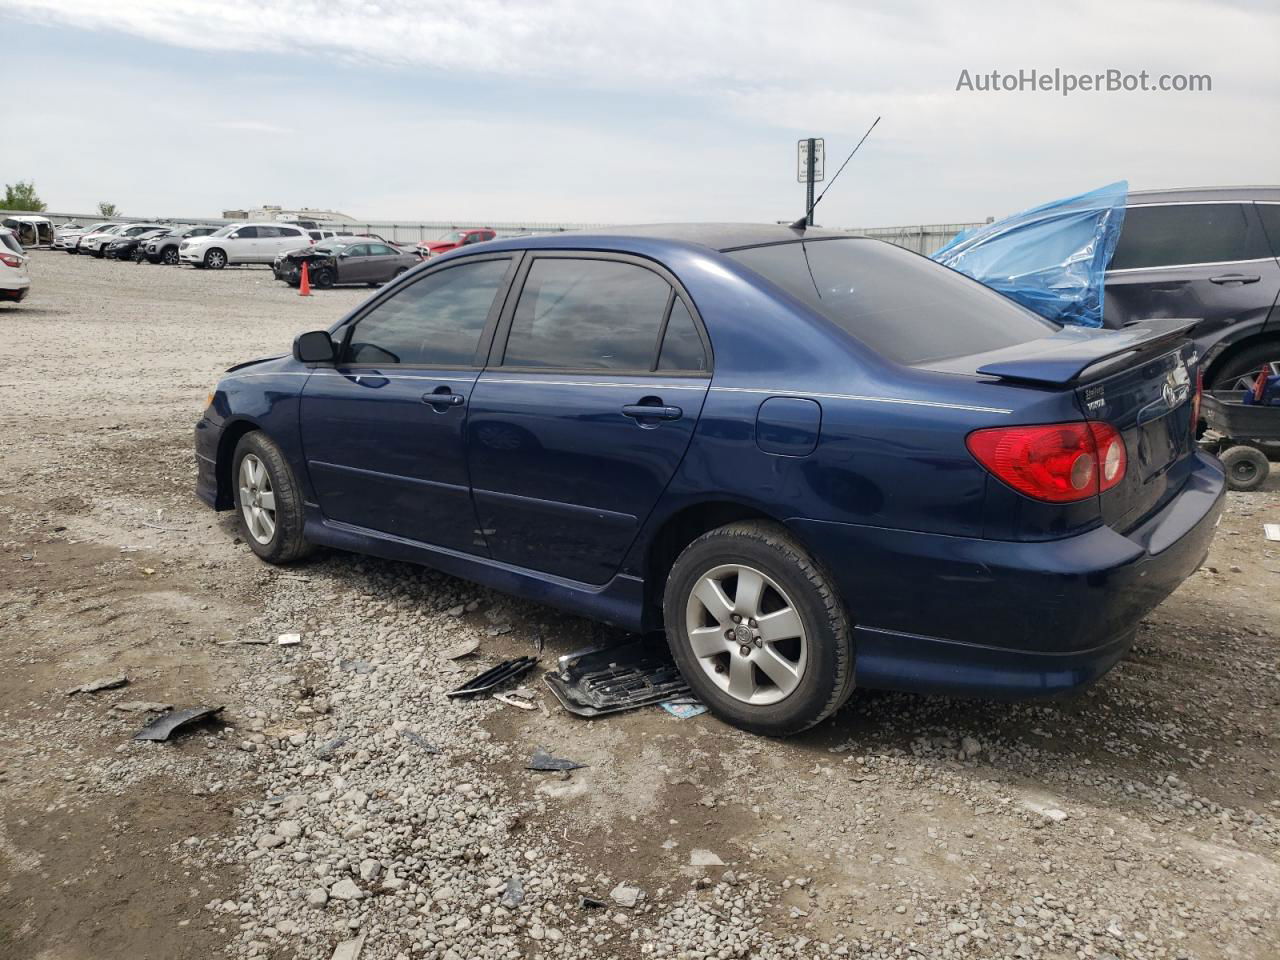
268, 501
789, 663
1247, 467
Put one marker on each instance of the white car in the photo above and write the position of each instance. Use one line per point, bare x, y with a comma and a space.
68, 237
15, 282
242, 243
97, 237
96, 243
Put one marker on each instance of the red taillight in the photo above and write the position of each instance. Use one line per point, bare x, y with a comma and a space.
1057, 462
10, 260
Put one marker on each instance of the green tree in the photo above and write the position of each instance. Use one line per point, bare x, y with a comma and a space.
21, 196
108, 209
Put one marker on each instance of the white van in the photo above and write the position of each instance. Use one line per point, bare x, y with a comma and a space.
242, 243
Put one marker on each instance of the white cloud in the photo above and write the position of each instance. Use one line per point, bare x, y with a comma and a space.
748, 72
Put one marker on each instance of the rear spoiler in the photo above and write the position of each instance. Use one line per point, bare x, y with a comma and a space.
1077, 354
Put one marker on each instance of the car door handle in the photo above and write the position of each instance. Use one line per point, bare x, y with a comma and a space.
1235, 278
444, 399
644, 411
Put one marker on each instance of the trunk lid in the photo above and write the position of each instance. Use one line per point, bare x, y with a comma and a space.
1150, 403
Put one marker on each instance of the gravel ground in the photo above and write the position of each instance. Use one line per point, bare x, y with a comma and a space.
342, 797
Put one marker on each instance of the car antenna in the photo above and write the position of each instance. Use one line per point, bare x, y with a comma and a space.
804, 221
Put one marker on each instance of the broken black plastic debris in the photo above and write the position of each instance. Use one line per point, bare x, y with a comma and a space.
542, 760
494, 677
591, 903
604, 680
163, 727
416, 740
513, 896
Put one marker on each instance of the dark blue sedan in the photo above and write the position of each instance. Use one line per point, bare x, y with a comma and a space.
816, 461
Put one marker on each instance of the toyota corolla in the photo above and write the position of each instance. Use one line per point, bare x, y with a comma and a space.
817, 462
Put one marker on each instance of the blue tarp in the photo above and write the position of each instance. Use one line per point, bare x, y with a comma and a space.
1051, 258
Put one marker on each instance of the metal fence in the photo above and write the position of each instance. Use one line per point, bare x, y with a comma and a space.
924, 238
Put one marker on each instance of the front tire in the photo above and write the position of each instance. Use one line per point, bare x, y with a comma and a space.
169, 256
268, 501
323, 278
757, 629
215, 259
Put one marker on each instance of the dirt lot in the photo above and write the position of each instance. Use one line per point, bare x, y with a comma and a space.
1137, 820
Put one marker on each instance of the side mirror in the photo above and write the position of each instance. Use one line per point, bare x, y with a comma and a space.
315, 346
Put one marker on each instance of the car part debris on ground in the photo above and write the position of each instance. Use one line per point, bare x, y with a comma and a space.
289, 639
543, 760
602, 680
349, 949
684, 708
514, 699
108, 683
162, 728
495, 677
141, 706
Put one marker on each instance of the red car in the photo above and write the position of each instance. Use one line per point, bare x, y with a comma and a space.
451, 241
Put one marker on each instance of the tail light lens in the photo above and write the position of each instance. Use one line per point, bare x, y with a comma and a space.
10, 259
1056, 462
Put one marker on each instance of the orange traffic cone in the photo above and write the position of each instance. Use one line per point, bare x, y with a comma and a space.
304, 285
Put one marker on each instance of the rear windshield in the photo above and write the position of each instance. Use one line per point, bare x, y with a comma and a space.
902, 305
10, 241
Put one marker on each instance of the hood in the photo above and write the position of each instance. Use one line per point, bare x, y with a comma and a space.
436, 245
253, 363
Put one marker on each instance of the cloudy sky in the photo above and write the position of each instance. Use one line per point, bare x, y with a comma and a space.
600, 111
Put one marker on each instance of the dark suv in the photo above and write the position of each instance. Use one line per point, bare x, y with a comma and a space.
1210, 254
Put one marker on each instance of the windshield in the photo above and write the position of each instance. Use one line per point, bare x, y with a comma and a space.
900, 304
457, 236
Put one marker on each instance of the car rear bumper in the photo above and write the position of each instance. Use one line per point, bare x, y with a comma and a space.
15, 294
1002, 619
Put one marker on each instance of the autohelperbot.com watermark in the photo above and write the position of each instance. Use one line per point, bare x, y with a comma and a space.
1065, 82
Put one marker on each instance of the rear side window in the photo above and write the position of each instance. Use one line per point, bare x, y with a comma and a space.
681, 346
380, 250
1269, 213
1188, 233
434, 322
587, 315
902, 305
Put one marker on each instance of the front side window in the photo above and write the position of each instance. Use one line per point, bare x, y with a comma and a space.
901, 305
587, 315
357, 250
246, 233
436, 321
1174, 234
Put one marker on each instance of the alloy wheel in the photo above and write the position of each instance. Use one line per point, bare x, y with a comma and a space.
746, 634
257, 499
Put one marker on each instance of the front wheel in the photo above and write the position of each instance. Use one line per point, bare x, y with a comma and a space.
323, 278
169, 256
215, 259
268, 501
757, 630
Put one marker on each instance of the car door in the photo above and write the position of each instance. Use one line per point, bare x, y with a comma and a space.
242, 246
578, 423
383, 263
353, 264
382, 431
1194, 260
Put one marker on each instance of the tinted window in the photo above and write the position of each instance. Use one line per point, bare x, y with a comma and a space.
587, 314
436, 321
380, 250
246, 233
902, 305
1270, 214
1163, 236
8, 240
357, 250
681, 345
288, 232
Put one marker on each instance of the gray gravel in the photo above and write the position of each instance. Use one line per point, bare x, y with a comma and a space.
1137, 820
